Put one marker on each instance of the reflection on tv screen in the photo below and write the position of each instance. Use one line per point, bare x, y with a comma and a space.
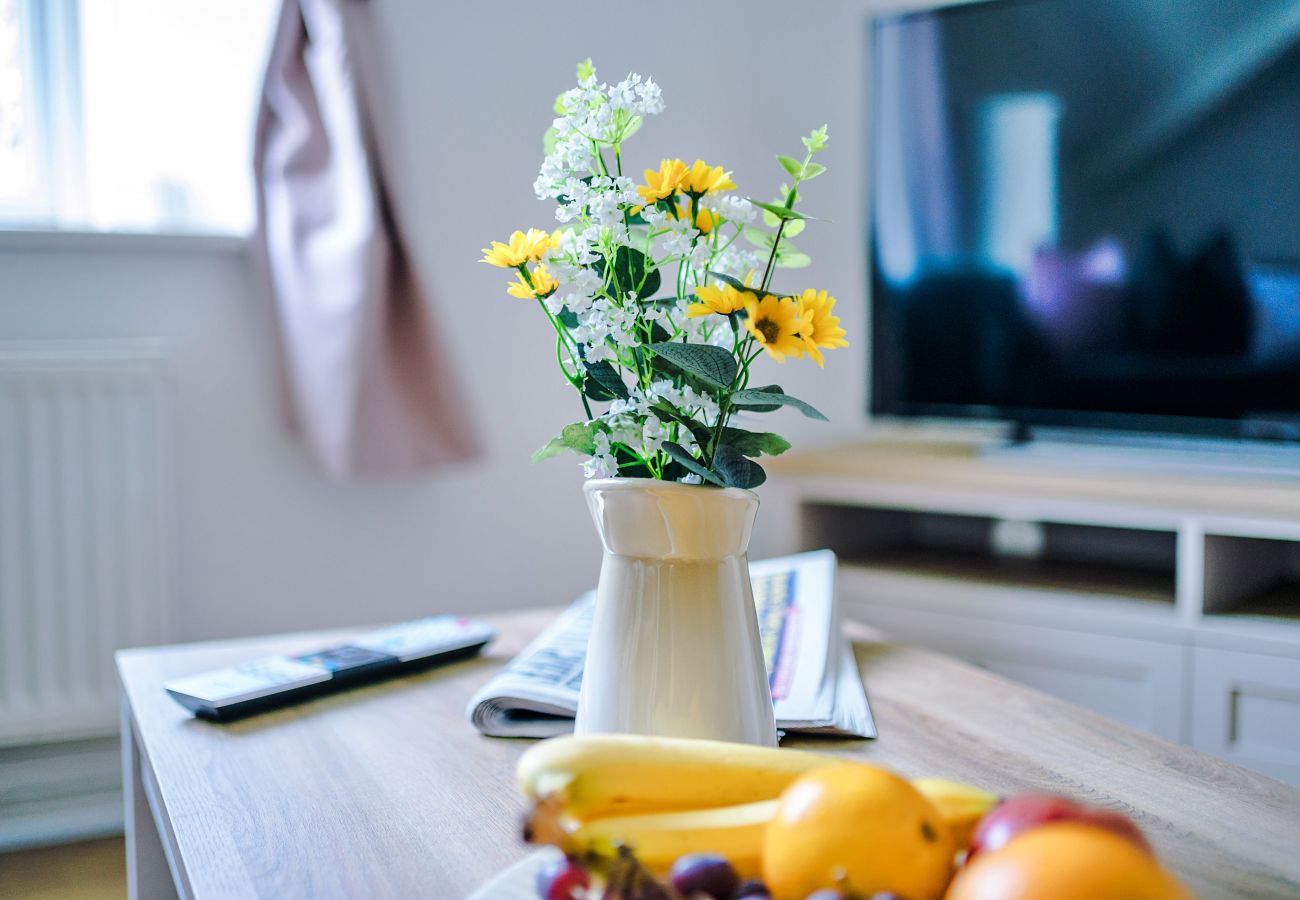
1088, 211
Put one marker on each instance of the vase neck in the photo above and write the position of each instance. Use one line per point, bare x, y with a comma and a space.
668, 521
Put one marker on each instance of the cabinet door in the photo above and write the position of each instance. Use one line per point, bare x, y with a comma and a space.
1138, 682
1247, 709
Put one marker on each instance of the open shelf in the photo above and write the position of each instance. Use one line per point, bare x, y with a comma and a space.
1252, 577
1125, 563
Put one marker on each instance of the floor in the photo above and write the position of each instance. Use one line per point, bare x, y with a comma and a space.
91, 870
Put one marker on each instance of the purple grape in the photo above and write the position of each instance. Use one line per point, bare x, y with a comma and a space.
560, 878
704, 873
753, 890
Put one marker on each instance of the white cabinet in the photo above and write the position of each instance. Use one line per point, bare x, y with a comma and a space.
1247, 710
1138, 682
1168, 602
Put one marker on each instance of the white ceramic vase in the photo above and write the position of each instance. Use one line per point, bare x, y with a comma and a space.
675, 647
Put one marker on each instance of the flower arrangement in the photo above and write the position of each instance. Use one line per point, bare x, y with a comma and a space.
658, 311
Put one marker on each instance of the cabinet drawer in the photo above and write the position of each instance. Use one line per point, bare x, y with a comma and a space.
1247, 710
1137, 682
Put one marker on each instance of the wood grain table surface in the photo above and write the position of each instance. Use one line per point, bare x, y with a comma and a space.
386, 791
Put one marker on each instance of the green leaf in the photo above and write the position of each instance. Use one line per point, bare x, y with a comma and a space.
678, 452
793, 228
779, 211
764, 407
558, 106
607, 377
712, 365
579, 437
549, 140
733, 282
630, 274
755, 443
736, 470
587, 70
633, 126
759, 238
816, 142
755, 399
791, 165
568, 318
629, 465
788, 257
812, 170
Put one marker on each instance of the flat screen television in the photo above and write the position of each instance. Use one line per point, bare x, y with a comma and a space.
1087, 213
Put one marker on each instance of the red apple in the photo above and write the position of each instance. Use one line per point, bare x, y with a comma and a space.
1025, 811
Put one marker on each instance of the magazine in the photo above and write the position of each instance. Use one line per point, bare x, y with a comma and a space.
811, 670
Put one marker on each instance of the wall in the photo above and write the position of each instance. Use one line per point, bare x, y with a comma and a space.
262, 542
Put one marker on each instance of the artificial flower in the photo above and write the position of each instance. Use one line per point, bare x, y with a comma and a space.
663, 183
705, 220
523, 247
701, 178
720, 299
777, 323
824, 327
544, 284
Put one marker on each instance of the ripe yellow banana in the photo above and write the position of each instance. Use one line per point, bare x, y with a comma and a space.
593, 776
665, 797
657, 839
961, 805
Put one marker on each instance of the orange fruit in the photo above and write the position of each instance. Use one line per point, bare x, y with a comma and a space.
860, 829
1066, 861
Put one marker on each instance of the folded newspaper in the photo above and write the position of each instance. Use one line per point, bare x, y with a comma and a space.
813, 675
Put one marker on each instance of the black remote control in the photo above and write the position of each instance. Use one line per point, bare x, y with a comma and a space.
228, 694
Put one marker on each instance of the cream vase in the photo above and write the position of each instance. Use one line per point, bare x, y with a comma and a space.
675, 647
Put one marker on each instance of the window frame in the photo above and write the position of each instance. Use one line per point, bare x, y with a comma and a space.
50, 37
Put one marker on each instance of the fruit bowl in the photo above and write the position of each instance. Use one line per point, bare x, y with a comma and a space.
519, 882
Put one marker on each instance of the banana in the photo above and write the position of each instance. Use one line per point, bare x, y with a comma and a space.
657, 839
961, 805
661, 798
593, 776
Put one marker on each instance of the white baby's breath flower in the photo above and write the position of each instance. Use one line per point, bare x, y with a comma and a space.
650, 101
655, 217
737, 262
679, 243
652, 435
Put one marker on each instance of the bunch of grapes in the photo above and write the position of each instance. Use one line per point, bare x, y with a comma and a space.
696, 876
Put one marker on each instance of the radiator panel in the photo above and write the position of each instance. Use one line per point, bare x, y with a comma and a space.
85, 452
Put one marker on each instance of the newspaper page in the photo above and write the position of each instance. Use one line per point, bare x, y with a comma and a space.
813, 676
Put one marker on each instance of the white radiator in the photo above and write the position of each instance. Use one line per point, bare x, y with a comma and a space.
85, 452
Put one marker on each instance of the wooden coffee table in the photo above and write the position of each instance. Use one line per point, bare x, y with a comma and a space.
386, 791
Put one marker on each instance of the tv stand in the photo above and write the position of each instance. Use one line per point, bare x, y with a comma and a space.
1164, 598
1127, 453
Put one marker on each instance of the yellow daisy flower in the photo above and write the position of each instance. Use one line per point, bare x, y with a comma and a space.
544, 284
722, 300
824, 327
705, 220
663, 183
701, 178
777, 323
523, 247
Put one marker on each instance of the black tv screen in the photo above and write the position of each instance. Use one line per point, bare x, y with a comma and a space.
1087, 212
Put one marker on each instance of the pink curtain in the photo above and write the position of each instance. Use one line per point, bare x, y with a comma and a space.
367, 386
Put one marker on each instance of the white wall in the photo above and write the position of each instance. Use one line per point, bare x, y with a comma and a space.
263, 543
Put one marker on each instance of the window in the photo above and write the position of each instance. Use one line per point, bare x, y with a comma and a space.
129, 114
